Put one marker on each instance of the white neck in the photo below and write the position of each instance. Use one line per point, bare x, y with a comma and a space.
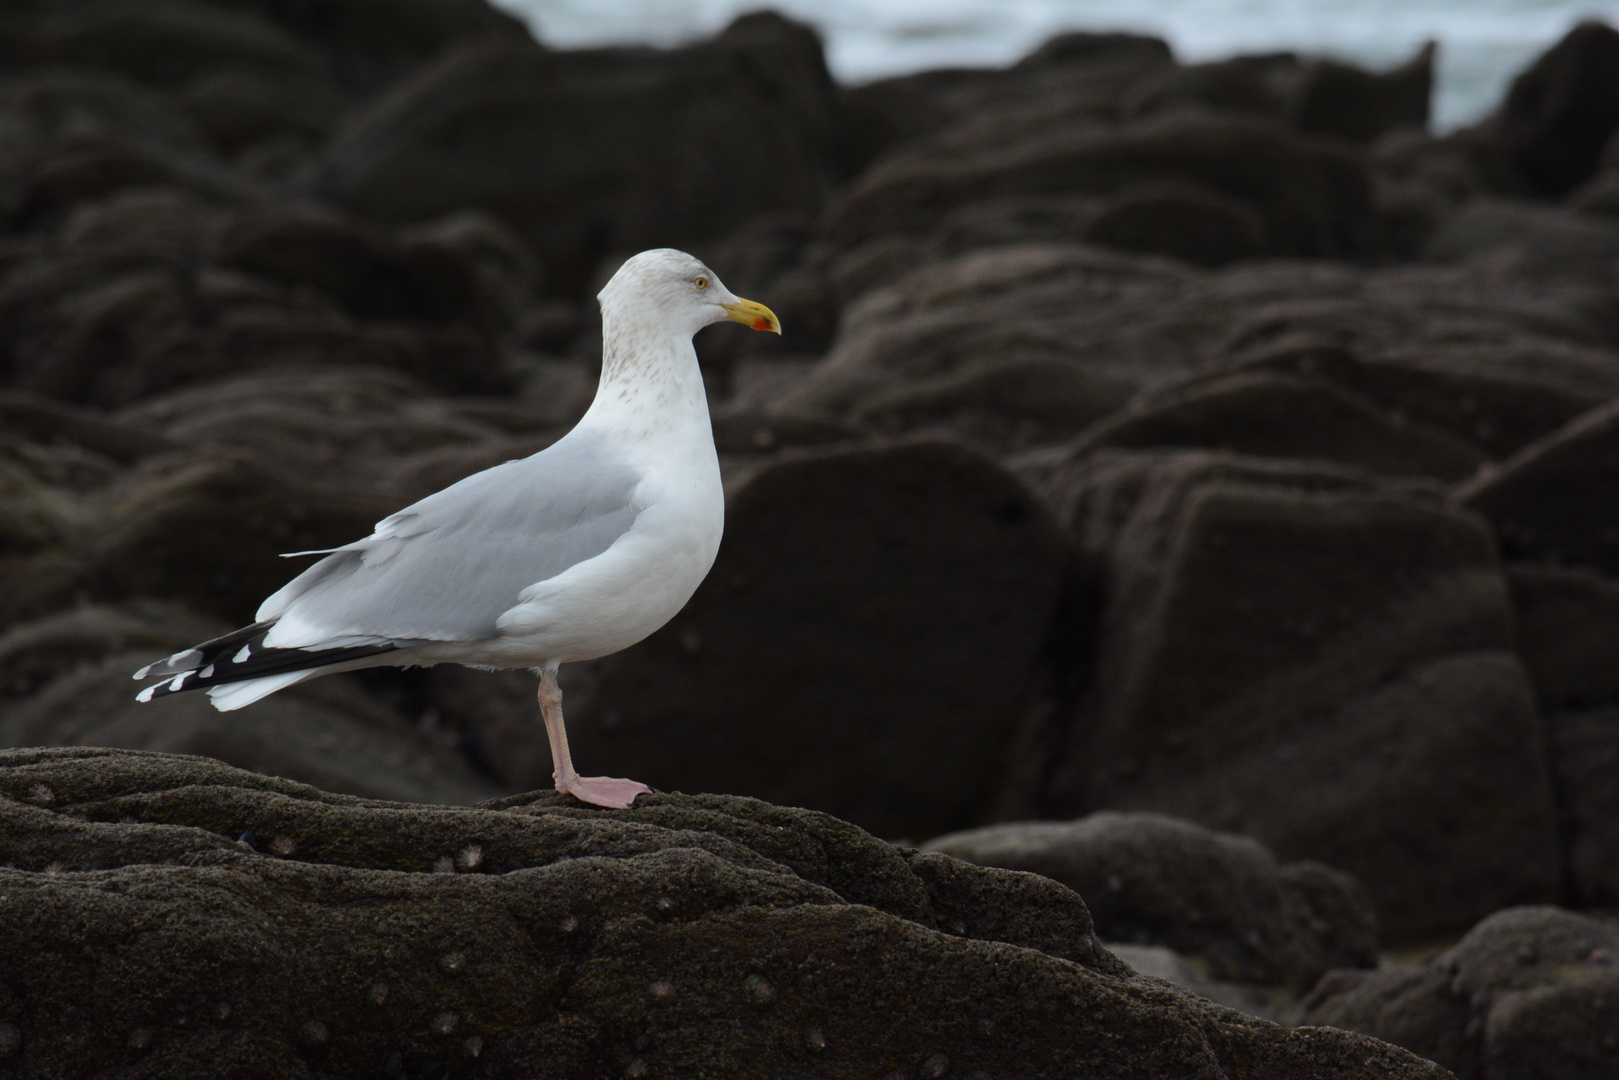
651, 386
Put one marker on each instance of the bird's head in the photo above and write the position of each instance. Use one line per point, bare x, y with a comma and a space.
676, 290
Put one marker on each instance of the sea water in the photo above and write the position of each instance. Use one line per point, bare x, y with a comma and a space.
1482, 43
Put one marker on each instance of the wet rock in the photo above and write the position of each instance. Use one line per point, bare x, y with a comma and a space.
642, 938
1540, 503
1559, 113
65, 681
597, 152
865, 644
1288, 417
1530, 991
1221, 899
1338, 648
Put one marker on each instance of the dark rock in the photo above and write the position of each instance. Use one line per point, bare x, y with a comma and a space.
865, 644
1334, 98
1540, 500
205, 530
171, 42
1567, 633
465, 269
1238, 85
1497, 395
1535, 241
1075, 75
723, 933
1290, 417
1301, 654
1496, 360
1529, 992
1183, 222
237, 109
596, 152
1560, 112
1583, 745
1568, 636
1223, 900
64, 681
1314, 200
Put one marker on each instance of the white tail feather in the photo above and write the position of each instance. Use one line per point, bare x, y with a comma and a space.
228, 697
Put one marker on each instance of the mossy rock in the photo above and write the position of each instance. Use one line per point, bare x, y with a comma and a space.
143, 934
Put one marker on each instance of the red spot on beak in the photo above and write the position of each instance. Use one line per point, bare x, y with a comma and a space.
761, 324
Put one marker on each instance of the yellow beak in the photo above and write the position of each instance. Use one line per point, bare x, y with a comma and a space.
755, 315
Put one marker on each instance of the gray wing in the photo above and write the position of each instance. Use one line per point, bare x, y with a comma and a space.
445, 568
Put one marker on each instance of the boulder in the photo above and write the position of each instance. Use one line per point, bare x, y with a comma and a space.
1268, 415
1567, 633
1240, 85
1074, 75
65, 681
1568, 636
205, 530
866, 644
1497, 395
1221, 900
1024, 344
1535, 241
1305, 655
1529, 992
591, 153
169, 916
466, 269
1583, 745
1334, 98
171, 42
1312, 199
1561, 111
1183, 221
148, 290
1540, 500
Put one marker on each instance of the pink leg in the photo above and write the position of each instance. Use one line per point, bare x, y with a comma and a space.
597, 790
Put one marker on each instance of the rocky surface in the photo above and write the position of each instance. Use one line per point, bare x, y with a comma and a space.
1220, 900
1195, 439
169, 916
1529, 992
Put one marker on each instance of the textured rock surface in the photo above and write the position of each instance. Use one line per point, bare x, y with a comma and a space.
142, 931
1274, 632
1540, 501
1529, 992
1221, 899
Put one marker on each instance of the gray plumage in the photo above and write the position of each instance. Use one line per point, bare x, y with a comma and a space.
447, 567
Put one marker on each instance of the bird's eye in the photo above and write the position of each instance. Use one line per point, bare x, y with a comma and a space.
700, 281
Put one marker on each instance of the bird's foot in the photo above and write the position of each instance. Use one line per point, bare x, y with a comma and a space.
608, 791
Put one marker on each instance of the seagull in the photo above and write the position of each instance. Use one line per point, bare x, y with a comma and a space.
576, 552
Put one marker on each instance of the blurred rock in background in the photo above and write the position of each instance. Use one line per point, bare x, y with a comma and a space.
1146, 439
